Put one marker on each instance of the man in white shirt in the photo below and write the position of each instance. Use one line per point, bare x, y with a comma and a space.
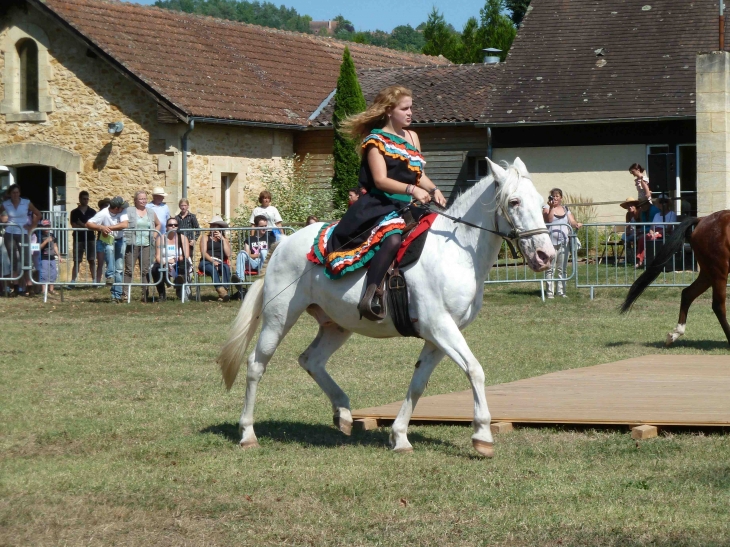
160, 209
110, 223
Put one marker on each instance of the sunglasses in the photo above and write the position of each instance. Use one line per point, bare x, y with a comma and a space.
172, 225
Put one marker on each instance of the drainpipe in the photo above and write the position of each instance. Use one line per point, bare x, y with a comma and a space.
722, 25
185, 158
489, 142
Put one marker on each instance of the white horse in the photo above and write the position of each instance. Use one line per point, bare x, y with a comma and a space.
445, 289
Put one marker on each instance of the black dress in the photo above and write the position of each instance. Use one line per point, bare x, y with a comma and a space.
350, 243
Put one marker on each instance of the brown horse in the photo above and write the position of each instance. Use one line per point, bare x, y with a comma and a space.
710, 242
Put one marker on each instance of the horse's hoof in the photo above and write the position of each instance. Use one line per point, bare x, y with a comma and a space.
343, 425
483, 448
245, 445
404, 450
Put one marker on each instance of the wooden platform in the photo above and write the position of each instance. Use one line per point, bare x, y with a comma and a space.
676, 390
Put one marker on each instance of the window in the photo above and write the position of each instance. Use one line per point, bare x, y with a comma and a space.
28, 56
476, 168
26, 74
226, 196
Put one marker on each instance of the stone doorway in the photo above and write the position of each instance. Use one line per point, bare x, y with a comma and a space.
44, 186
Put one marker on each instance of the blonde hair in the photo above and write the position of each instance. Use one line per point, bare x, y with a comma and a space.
183, 200
376, 116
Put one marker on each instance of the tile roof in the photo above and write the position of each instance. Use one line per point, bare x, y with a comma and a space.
212, 68
646, 69
441, 94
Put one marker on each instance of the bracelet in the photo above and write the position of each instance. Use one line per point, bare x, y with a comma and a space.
409, 189
433, 191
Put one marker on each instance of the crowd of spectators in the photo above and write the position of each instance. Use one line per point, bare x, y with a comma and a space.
120, 246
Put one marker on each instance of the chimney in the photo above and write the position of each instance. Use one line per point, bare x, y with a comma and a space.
491, 55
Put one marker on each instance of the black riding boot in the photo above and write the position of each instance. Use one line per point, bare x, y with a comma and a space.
372, 305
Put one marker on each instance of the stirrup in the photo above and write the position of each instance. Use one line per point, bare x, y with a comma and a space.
365, 306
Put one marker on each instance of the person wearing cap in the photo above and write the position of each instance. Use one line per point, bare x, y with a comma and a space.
158, 207
647, 212
663, 216
215, 252
48, 268
110, 223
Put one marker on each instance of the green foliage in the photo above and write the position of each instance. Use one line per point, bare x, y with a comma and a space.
495, 30
293, 193
518, 9
349, 100
585, 214
265, 14
403, 37
492, 30
440, 39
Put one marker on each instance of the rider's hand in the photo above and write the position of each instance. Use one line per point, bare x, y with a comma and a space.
439, 198
419, 194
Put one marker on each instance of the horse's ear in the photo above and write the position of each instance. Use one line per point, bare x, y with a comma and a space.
499, 173
521, 167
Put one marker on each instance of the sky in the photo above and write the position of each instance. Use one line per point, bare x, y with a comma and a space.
382, 14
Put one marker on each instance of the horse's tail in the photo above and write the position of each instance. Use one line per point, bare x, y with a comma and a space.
242, 331
672, 244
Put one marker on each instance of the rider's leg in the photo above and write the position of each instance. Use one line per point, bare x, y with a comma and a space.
370, 307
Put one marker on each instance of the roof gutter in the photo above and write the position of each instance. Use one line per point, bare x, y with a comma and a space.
184, 148
262, 125
586, 121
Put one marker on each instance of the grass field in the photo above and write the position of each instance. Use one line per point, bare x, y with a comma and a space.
115, 430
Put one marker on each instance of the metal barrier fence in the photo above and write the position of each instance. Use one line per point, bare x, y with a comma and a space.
229, 257
95, 260
13, 249
507, 269
614, 255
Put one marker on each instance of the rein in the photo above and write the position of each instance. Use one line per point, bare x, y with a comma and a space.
510, 238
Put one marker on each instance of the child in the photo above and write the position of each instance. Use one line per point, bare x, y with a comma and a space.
273, 218
48, 269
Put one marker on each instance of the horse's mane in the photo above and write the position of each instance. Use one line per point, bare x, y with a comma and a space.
466, 199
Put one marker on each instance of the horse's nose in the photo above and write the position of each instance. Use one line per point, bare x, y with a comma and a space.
545, 257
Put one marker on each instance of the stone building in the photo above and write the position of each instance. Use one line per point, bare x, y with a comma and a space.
234, 95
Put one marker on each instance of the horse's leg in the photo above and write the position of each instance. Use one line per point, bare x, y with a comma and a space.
427, 361
269, 339
689, 295
449, 338
719, 294
314, 360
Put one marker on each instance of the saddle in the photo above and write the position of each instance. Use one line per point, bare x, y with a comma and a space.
393, 291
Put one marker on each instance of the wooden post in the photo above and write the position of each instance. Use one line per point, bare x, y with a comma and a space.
643, 432
365, 424
501, 427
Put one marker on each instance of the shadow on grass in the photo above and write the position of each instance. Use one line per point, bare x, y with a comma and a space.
706, 345
307, 434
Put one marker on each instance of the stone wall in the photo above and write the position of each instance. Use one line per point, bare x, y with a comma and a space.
87, 94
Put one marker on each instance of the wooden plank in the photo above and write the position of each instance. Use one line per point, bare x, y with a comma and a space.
660, 390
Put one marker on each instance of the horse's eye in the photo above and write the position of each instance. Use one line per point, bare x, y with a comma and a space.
514, 202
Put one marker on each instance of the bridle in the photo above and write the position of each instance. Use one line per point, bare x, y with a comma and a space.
512, 237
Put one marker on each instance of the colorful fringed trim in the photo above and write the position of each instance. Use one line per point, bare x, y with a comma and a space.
338, 263
395, 147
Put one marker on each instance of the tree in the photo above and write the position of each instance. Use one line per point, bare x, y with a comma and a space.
406, 38
495, 30
440, 39
349, 100
517, 8
469, 49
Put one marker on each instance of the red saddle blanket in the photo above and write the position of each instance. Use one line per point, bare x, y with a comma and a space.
424, 224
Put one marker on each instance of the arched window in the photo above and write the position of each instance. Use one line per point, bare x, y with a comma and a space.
28, 55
